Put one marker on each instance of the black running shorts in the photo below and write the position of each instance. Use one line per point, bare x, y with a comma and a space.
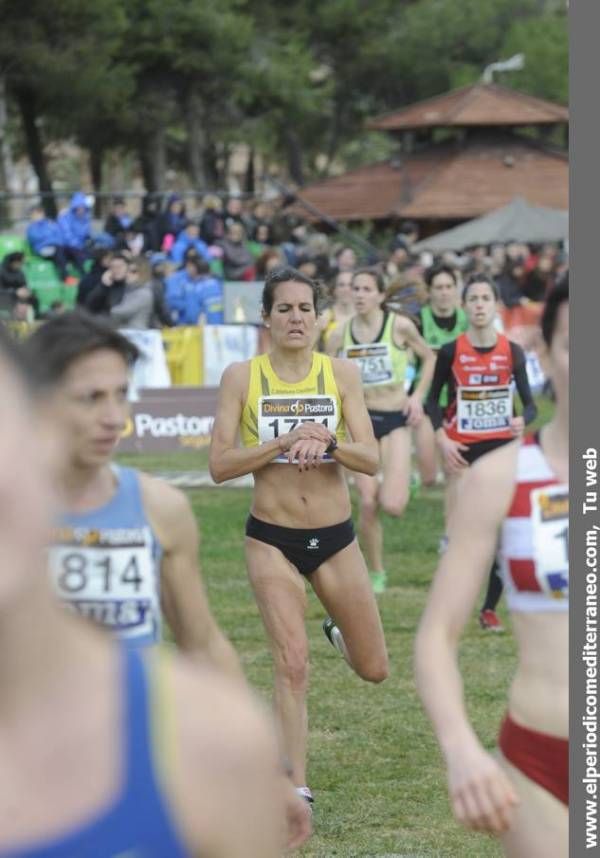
305, 548
385, 422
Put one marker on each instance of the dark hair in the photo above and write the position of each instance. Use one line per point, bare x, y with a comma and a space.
126, 259
285, 275
60, 341
557, 296
12, 352
375, 273
439, 268
480, 278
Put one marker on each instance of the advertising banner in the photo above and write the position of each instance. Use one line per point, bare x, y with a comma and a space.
170, 419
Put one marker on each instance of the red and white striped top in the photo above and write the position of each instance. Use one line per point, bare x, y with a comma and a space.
534, 542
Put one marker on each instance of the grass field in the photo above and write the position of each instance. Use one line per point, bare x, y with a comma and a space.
374, 767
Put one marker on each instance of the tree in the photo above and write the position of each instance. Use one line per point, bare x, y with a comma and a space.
56, 57
545, 43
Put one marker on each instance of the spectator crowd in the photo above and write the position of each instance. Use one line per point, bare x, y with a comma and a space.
166, 265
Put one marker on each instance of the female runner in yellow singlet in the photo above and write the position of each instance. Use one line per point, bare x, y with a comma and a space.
292, 407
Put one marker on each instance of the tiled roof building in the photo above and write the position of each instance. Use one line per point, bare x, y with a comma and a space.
482, 162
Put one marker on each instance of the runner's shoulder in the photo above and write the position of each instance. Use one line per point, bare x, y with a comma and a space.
167, 507
236, 373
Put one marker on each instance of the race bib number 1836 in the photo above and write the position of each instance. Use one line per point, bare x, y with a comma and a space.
483, 409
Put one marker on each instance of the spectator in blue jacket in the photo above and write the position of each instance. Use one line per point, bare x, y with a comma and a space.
46, 240
76, 227
194, 296
187, 238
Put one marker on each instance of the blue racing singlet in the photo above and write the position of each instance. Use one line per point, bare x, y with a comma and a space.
138, 823
105, 564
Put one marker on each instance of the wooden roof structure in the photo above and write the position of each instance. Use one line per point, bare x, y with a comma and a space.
446, 182
481, 104
479, 169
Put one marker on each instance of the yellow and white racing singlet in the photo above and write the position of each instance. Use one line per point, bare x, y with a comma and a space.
274, 407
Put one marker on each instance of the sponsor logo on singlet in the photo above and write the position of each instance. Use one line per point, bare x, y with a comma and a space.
278, 415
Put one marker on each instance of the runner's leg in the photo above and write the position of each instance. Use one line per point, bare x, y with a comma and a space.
281, 598
369, 526
343, 587
426, 452
394, 492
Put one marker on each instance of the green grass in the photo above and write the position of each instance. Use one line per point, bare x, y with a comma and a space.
184, 460
374, 767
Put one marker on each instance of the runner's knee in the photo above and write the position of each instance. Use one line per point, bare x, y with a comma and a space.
394, 505
373, 670
368, 507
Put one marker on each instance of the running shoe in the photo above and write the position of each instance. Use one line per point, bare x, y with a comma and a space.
490, 622
331, 632
334, 636
378, 582
305, 793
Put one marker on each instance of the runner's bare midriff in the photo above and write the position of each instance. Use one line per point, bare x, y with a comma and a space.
539, 694
388, 397
289, 498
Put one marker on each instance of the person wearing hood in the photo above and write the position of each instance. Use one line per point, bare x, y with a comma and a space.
75, 224
12, 280
46, 240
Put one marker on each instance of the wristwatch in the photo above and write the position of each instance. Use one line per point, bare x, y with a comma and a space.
331, 446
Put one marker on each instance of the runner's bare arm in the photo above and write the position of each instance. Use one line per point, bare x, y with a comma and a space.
226, 459
183, 596
480, 793
360, 454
